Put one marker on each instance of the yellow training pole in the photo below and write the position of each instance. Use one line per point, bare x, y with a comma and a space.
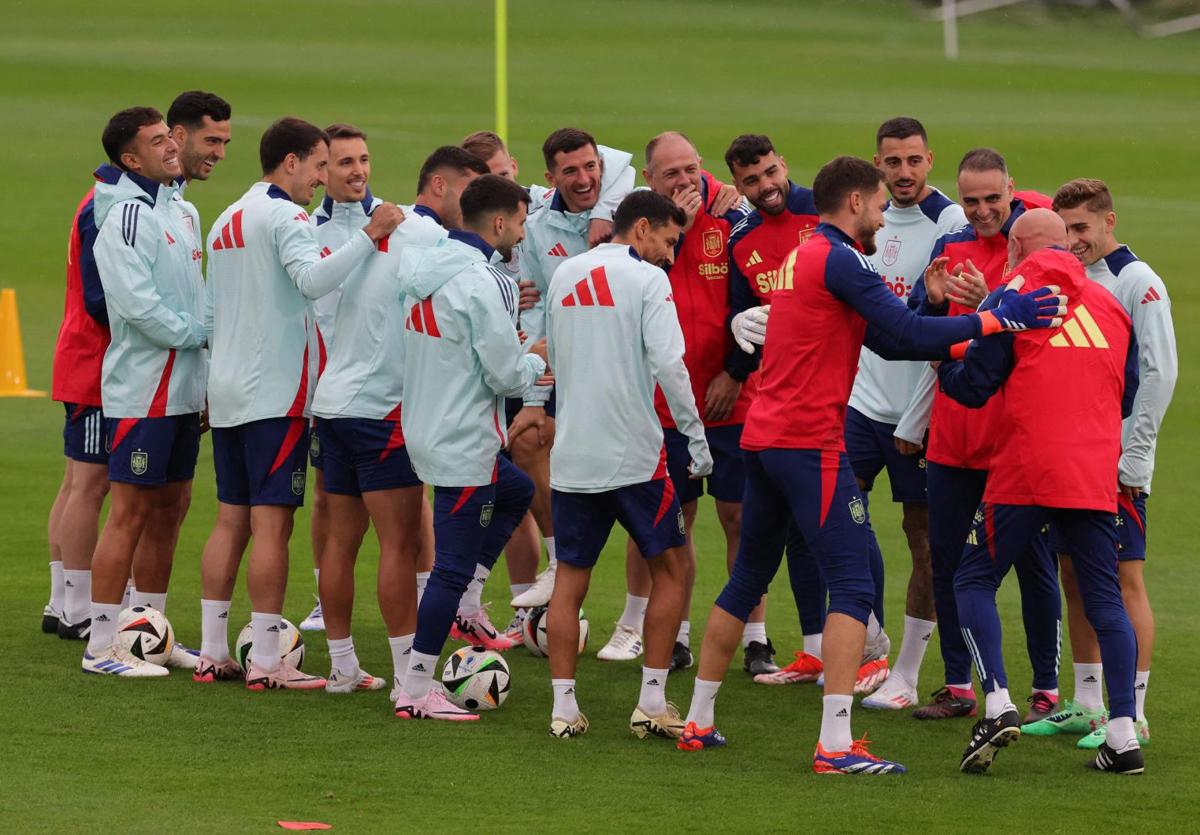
502, 69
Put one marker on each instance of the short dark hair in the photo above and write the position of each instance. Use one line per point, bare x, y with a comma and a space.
190, 108
649, 204
902, 127
483, 144
1088, 192
340, 130
747, 149
841, 176
491, 194
123, 128
653, 143
564, 141
983, 159
452, 157
288, 135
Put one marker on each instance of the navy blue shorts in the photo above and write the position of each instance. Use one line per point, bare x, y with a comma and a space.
649, 512
153, 451
361, 456
84, 436
263, 462
728, 479
314, 446
871, 446
1131, 530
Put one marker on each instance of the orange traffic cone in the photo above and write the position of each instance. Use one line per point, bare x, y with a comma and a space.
12, 355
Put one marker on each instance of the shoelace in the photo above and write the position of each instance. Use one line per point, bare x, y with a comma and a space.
1041, 702
859, 749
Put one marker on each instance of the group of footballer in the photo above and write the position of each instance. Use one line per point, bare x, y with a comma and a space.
551, 361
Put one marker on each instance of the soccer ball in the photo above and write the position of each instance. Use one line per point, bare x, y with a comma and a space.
146, 633
534, 632
476, 679
291, 645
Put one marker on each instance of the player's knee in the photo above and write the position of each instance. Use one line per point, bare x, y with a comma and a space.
915, 523
528, 450
852, 596
451, 577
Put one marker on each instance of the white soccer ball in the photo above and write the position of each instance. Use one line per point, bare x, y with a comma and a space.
476, 678
291, 645
536, 639
146, 633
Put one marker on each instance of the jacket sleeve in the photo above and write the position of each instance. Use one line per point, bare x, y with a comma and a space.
507, 369
300, 253
1131, 386
738, 363
981, 373
915, 419
616, 183
662, 338
125, 249
93, 290
1158, 369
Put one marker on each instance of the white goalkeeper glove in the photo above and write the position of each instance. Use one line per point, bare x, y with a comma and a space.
750, 327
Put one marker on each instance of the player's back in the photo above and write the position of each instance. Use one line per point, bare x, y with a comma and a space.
607, 433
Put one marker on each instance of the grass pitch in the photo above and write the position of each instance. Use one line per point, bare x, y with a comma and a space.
1063, 94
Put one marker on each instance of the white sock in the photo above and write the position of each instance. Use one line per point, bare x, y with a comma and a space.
684, 635
153, 599
342, 656
128, 590
812, 645
653, 698
519, 588
264, 651
835, 723
472, 599
57, 592
1089, 679
550, 552
77, 601
419, 677
1141, 680
422, 579
756, 632
917, 633
214, 629
635, 612
104, 627
565, 706
996, 702
401, 649
1120, 735
317, 576
704, 701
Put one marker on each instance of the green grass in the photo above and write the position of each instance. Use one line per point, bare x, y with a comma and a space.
1062, 94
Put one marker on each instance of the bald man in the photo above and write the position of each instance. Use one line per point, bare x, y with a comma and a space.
1065, 392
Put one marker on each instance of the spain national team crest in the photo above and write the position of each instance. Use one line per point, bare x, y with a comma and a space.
314, 446
857, 512
298, 482
891, 252
805, 234
714, 243
485, 514
139, 462
679, 524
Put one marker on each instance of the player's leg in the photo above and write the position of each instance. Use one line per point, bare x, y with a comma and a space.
52, 611
954, 496
1041, 611
396, 515
531, 453
78, 533
1084, 711
809, 594
314, 621
521, 556
219, 563
999, 536
625, 644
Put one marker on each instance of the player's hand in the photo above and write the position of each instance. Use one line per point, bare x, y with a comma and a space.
1017, 311
690, 200
701, 464
967, 286
384, 220
1130, 492
726, 200
204, 424
529, 295
539, 348
721, 396
906, 447
599, 231
750, 327
936, 280
546, 380
529, 418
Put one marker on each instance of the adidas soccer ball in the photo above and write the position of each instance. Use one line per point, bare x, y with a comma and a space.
476, 679
146, 633
291, 645
534, 632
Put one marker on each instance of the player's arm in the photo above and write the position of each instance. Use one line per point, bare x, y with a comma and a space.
1158, 369
300, 253
93, 290
662, 339
744, 312
1132, 381
981, 373
125, 249
615, 183
507, 369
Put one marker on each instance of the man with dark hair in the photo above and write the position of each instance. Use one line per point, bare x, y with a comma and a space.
443, 176
152, 380
265, 266
829, 302
614, 336
462, 357
199, 124
1086, 206
959, 450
